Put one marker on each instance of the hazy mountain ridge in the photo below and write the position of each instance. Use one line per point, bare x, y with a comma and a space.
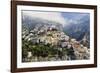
30, 23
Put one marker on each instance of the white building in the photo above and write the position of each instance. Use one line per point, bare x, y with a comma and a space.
29, 54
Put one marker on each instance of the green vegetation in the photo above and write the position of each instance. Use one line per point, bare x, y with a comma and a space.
49, 35
41, 50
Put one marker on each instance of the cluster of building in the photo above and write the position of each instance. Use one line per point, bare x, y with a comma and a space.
54, 37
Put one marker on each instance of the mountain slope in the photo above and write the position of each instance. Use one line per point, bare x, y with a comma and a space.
80, 29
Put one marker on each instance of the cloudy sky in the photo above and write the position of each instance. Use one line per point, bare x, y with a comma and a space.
64, 18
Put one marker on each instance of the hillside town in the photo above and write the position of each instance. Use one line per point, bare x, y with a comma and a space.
48, 43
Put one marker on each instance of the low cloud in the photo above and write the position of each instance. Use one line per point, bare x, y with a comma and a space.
51, 16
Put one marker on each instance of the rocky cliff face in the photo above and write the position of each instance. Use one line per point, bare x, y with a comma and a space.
79, 30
